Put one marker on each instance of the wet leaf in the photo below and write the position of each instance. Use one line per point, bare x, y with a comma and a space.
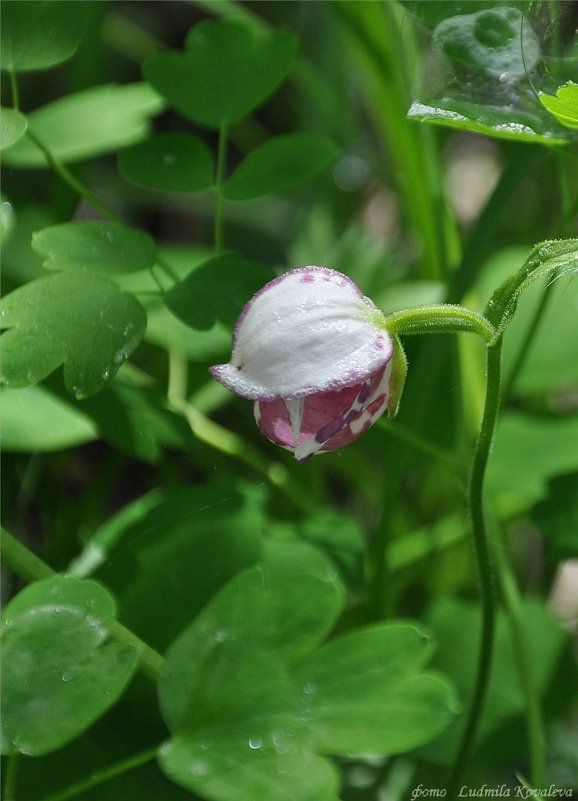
58, 675
12, 126
565, 105
83, 322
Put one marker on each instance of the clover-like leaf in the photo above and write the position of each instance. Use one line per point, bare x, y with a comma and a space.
12, 126
225, 71
279, 164
98, 247
252, 705
86, 124
84, 322
218, 289
565, 105
58, 673
39, 34
172, 161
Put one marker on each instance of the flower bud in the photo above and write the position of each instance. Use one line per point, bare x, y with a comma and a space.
313, 354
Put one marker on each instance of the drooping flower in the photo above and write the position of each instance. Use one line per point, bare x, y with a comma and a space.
313, 355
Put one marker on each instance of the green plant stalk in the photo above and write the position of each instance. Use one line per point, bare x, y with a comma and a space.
484, 559
218, 187
105, 775
30, 567
439, 319
534, 720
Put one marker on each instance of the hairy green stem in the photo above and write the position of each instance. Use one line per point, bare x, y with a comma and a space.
30, 567
525, 664
105, 775
484, 559
218, 186
439, 319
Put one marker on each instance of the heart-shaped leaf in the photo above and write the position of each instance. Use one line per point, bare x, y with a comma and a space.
12, 126
281, 163
225, 71
87, 124
218, 289
58, 677
82, 321
98, 247
174, 161
39, 34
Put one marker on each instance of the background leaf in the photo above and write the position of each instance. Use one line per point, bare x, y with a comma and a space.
218, 289
557, 517
98, 247
87, 124
34, 420
38, 34
279, 164
225, 71
86, 323
172, 161
12, 126
58, 677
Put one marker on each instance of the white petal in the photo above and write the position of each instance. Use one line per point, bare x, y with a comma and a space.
310, 330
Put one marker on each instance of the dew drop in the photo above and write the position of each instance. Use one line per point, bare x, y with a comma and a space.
66, 676
255, 743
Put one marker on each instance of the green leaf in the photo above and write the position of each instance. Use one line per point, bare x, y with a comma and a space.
225, 71
366, 692
58, 676
529, 452
13, 125
495, 121
548, 259
174, 161
218, 289
97, 247
565, 105
246, 720
456, 626
281, 163
499, 40
87, 124
182, 544
84, 322
39, 34
36, 421
557, 517
289, 618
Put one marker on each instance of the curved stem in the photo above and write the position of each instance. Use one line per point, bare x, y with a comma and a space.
105, 775
31, 568
484, 559
439, 318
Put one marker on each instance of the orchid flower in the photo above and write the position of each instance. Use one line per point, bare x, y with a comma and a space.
314, 356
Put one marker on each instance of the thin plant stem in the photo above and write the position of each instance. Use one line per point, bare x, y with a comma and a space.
105, 775
11, 773
30, 567
219, 180
534, 719
14, 90
484, 560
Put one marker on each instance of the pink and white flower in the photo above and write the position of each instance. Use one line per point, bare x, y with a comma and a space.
313, 354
